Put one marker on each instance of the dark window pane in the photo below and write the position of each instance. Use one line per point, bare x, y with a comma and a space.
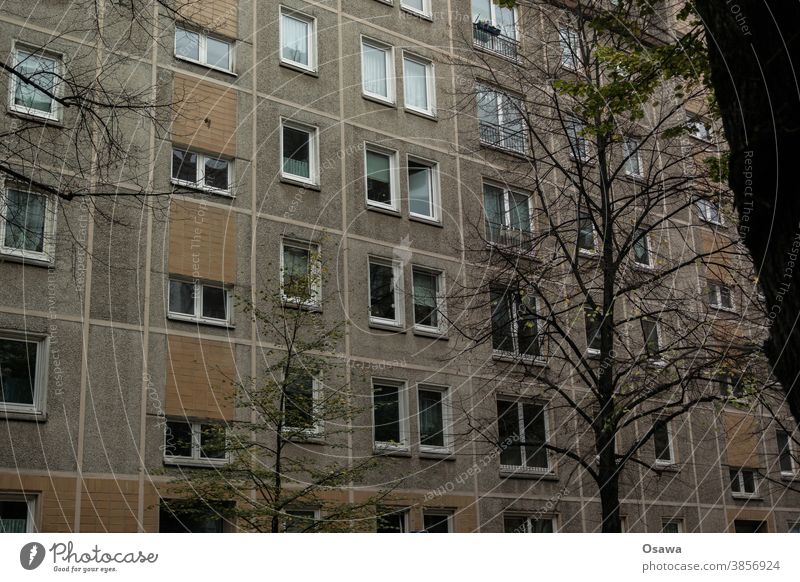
650, 333
431, 418
212, 441
784, 453
17, 371
494, 212
519, 212
178, 439
585, 231
747, 526
184, 166
515, 524
216, 174
181, 297
297, 273
749, 481
641, 249
535, 436
528, 328
425, 299
386, 414
296, 152
13, 516
436, 523
593, 324
299, 403
381, 291
394, 522
725, 297
176, 516
25, 220
735, 486
379, 183
502, 331
215, 303
661, 441
420, 190
508, 431
541, 526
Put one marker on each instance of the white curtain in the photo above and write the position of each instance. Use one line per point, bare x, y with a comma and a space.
374, 70
416, 84
295, 40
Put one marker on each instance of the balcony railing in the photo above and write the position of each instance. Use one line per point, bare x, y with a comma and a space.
512, 139
513, 239
486, 37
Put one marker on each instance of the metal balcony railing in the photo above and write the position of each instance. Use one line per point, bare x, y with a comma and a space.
507, 138
514, 239
484, 37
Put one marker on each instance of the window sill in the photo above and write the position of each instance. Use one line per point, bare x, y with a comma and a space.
437, 455
512, 358
390, 451
396, 328
384, 210
195, 188
6, 414
52, 121
589, 254
747, 496
297, 182
423, 114
666, 466
205, 65
290, 303
425, 220
723, 309
522, 473
22, 259
790, 477
181, 462
210, 323
431, 333
379, 100
501, 149
299, 69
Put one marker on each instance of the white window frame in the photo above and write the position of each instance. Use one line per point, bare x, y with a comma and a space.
196, 459
438, 513
38, 408
317, 430
518, 405
435, 192
646, 238
717, 304
706, 207
47, 256
315, 264
203, 49
430, 83
402, 405
313, 152
390, 98
199, 183
447, 419
742, 494
55, 114
790, 449
30, 500
677, 521
198, 302
440, 300
425, 12
394, 177
399, 296
670, 447
311, 42
506, 225
633, 157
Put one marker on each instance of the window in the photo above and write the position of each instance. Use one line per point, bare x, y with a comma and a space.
578, 144
390, 420
428, 300
422, 7
570, 47
300, 520
494, 28
194, 442
433, 418
651, 336
17, 513
300, 408
418, 80
423, 189
515, 324
522, 428
436, 521
500, 120
633, 158
381, 177
508, 218
641, 248
298, 33
720, 296
522, 524
593, 322
391, 520
189, 516
662, 440
377, 70
33, 94
385, 292
672, 526
699, 128
301, 273
749, 526
732, 385
743, 482
200, 302
26, 225
794, 527
23, 373
203, 49
196, 170
785, 458
299, 152
586, 238
709, 210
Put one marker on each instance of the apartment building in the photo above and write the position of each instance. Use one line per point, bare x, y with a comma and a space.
305, 132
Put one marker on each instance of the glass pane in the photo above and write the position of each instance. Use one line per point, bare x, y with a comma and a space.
17, 371
379, 184
297, 282
502, 332
392, 522
520, 214
641, 251
184, 166
431, 418
218, 53
508, 432
481, 11
585, 231
661, 442
425, 299
528, 328
650, 334
216, 174
515, 524
749, 481
299, 520
735, 487
381, 291
374, 70
41, 71
299, 402
784, 453
418, 5
187, 44
386, 414
505, 21
493, 212
419, 189
416, 84
593, 323
542, 525
488, 107
670, 527
178, 439
436, 523
212, 441
296, 152
181, 297
13, 516
295, 40
535, 436
215, 303
725, 296
190, 517
25, 220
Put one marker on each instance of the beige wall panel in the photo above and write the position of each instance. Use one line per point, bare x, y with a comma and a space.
202, 242
217, 16
206, 115
742, 436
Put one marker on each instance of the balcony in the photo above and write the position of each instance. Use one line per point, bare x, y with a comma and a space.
489, 37
510, 238
507, 138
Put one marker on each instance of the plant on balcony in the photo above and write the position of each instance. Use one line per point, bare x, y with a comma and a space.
488, 28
